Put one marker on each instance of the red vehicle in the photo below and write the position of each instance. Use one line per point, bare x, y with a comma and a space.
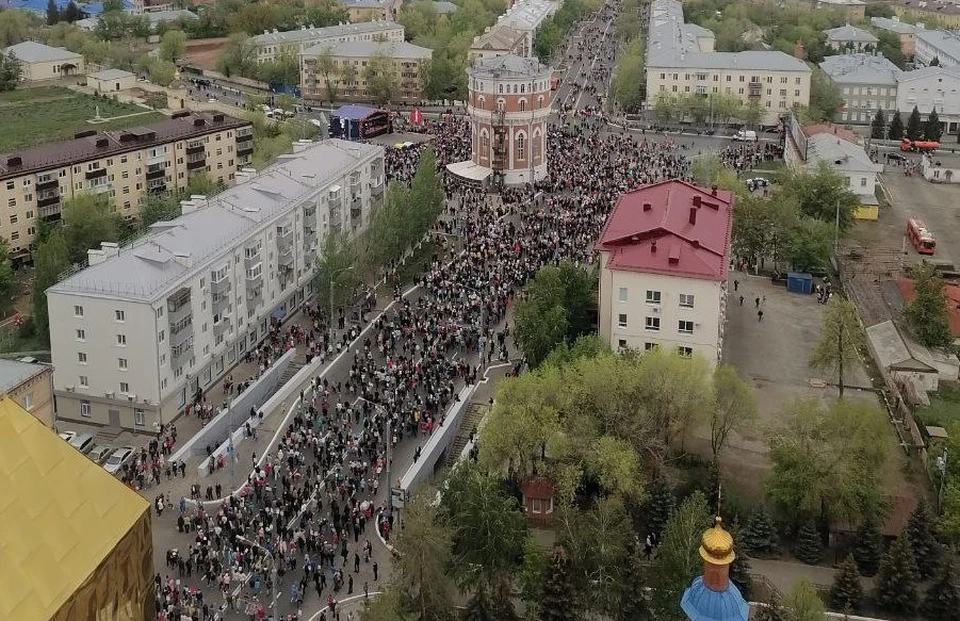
554, 82
921, 238
921, 146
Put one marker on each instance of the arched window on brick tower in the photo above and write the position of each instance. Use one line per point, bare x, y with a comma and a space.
521, 145
537, 146
523, 104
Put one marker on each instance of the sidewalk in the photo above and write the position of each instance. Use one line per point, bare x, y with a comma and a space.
785, 574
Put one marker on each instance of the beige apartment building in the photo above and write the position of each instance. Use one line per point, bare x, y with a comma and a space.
406, 61
371, 10
126, 166
144, 328
271, 45
681, 60
30, 384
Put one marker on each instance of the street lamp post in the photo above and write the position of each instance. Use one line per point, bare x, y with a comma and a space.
333, 276
273, 571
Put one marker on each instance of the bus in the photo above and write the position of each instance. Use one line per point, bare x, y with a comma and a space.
921, 237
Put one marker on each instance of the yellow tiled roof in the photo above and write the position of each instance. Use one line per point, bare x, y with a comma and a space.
60, 516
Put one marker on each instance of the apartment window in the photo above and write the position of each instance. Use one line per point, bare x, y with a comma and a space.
650, 346
686, 300
119, 315
78, 311
652, 324
83, 381
622, 344
12, 202
122, 363
10, 185
160, 312
81, 335
623, 294
124, 387
622, 320
686, 352
685, 327
123, 159
85, 408
15, 235
653, 297
82, 357
121, 340
863, 182
138, 417
796, 93
160, 336
796, 80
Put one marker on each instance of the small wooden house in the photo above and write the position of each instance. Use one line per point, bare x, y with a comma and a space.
538, 494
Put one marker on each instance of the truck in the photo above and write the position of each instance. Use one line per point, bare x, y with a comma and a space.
745, 135
919, 146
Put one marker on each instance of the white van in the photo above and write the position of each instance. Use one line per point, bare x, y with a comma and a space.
745, 135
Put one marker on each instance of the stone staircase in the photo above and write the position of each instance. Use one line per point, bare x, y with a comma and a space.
292, 369
471, 418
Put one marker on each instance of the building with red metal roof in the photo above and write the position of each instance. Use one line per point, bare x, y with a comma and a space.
665, 253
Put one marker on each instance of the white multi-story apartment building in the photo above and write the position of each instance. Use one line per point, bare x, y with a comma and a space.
944, 45
681, 60
868, 83
271, 45
664, 256
929, 88
143, 328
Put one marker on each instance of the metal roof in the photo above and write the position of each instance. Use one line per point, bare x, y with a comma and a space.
507, 66
500, 37
839, 153
894, 25
111, 74
851, 33
527, 15
148, 267
13, 373
33, 52
861, 69
293, 36
944, 41
365, 49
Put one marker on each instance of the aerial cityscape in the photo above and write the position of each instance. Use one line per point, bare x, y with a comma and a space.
480, 310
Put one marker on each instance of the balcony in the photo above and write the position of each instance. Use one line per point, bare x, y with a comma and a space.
178, 305
220, 286
155, 186
195, 146
254, 275
155, 171
285, 256
156, 156
377, 186
99, 186
221, 326
251, 257
310, 255
50, 212
180, 351
244, 132
754, 89
181, 331
46, 182
254, 294
219, 301
244, 146
196, 164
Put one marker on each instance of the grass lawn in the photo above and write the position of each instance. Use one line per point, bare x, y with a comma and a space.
944, 409
39, 115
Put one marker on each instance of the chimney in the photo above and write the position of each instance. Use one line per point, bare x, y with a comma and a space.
647, 206
798, 50
110, 249
693, 215
696, 200
96, 256
184, 259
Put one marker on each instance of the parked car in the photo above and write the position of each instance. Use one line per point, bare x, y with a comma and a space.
83, 442
745, 135
100, 454
66, 436
120, 457
757, 183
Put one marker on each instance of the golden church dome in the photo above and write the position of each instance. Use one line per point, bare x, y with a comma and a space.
716, 545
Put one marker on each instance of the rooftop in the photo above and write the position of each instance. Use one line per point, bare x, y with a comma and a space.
893, 351
111, 74
837, 152
673, 228
97, 145
861, 69
528, 14
926, 72
155, 17
146, 269
62, 515
500, 37
444, 8
944, 41
340, 30
365, 49
936, 8
893, 24
33, 52
507, 66
851, 33
843, 2
13, 373
952, 292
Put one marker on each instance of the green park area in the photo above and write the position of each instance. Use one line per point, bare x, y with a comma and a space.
35, 116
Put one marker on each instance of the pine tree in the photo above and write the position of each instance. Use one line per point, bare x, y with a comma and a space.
914, 125
846, 590
922, 529
479, 608
878, 128
71, 13
896, 584
760, 537
740, 574
559, 598
53, 13
896, 127
868, 548
771, 612
634, 603
932, 129
935, 62
808, 547
943, 600
661, 507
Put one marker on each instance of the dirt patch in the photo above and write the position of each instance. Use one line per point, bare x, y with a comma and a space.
202, 53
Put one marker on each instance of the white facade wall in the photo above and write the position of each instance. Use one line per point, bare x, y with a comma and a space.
221, 331
707, 313
928, 46
933, 89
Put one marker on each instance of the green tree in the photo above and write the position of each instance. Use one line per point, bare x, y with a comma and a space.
705, 167
284, 69
927, 314
740, 567
933, 129
72, 12
7, 282
626, 86
679, 559
381, 77
822, 194
803, 604
348, 77
868, 547
660, 507
840, 336
760, 536
162, 72
53, 13
825, 96
173, 45
896, 130
808, 547
424, 557
666, 107
774, 611
752, 226
735, 408
809, 244
479, 608
16, 27
846, 590
753, 113
50, 259
88, 219
827, 460
390, 605
10, 70
914, 125
896, 583
559, 598
334, 275
635, 606
889, 47
922, 530
559, 305
878, 127
942, 600
159, 208
327, 68
237, 57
